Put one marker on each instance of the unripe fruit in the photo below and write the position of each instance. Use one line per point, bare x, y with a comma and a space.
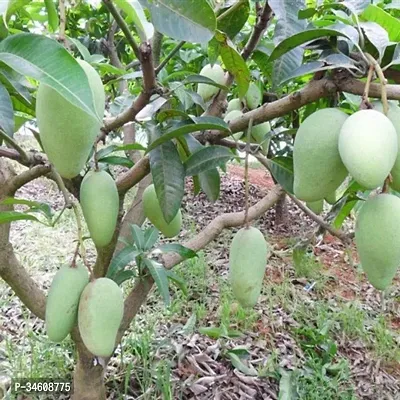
316, 206
63, 300
101, 309
318, 168
234, 104
100, 205
394, 116
247, 263
377, 237
67, 132
331, 198
368, 147
259, 135
253, 96
230, 117
152, 210
217, 74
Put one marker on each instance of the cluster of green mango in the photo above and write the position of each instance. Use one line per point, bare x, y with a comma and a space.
329, 145
252, 100
97, 306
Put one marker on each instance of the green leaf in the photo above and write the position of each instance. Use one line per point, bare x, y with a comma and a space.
138, 237
287, 25
123, 276
6, 113
207, 158
113, 148
212, 331
121, 260
150, 238
81, 48
192, 21
34, 206
287, 386
158, 272
357, 6
52, 15
9, 216
193, 125
117, 160
376, 35
344, 207
282, 170
177, 248
171, 113
241, 366
234, 63
300, 38
177, 280
49, 62
210, 181
135, 13
232, 19
384, 19
203, 79
168, 175
16, 85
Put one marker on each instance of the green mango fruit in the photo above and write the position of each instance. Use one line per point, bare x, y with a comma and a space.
100, 206
318, 168
230, 117
331, 198
247, 262
316, 206
368, 147
377, 237
63, 300
259, 134
234, 104
67, 132
152, 210
217, 74
100, 313
253, 96
394, 116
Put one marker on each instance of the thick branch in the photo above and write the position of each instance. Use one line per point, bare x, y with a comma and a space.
139, 293
134, 175
26, 176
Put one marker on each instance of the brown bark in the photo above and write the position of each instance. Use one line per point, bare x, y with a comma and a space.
88, 375
280, 210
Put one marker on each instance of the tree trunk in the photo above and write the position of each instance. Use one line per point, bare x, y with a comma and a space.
280, 210
88, 375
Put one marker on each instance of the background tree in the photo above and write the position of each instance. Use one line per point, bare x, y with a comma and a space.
304, 56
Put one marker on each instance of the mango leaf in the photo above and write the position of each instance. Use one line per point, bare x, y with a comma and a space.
194, 21
234, 63
135, 13
20, 119
6, 113
356, 6
15, 84
384, 19
10, 216
376, 35
210, 181
123, 276
114, 147
117, 160
213, 50
301, 38
158, 272
343, 209
232, 19
168, 175
177, 280
287, 25
241, 366
34, 206
203, 79
282, 170
49, 62
207, 158
81, 48
177, 248
137, 236
171, 113
121, 260
193, 125
52, 15
150, 238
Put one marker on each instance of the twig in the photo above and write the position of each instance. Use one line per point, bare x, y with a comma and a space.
124, 27
15, 145
383, 82
386, 184
335, 232
246, 175
61, 186
63, 21
169, 56
367, 85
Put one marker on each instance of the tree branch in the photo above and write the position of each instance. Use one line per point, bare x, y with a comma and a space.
141, 289
26, 176
124, 27
134, 175
24, 157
